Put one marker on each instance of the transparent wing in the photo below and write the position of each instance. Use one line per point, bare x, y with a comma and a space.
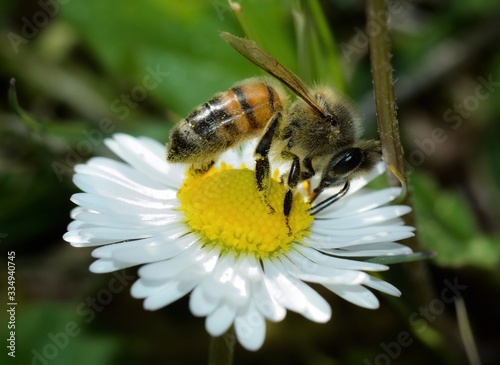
268, 63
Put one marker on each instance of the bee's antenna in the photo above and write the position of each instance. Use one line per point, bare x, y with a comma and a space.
329, 201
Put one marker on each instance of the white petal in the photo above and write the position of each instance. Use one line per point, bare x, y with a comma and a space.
144, 288
102, 235
360, 202
227, 282
241, 155
240, 288
383, 286
355, 294
220, 320
371, 217
334, 262
168, 294
153, 250
124, 205
323, 237
104, 266
265, 301
80, 238
113, 187
156, 148
250, 268
283, 288
217, 284
76, 225
349, 277
127, 222
76, 210
161, 292
250, 328
361, 181
169, 235
138, 155
167, 269
372, 250
201, 304
341, 234
318, 241
106, 167
396, 221
308, 270
231, 157
317, 309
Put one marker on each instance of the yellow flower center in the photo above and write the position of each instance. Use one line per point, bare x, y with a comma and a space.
225, 207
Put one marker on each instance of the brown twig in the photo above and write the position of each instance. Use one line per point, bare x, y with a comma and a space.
380, 58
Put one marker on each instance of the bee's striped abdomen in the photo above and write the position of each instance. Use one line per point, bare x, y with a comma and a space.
227, 119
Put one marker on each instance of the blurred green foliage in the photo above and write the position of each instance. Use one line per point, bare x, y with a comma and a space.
450, 229
81, 76
54, 332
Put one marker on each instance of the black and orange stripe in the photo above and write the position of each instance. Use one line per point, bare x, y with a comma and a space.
237, 114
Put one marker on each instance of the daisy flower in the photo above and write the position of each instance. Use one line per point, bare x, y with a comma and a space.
213, 237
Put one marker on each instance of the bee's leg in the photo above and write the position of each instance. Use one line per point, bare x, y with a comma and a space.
305, 175
263, 175
198, 171
262, 166
293, 180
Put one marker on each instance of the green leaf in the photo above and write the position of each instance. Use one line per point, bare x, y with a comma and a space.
447, 226
181, 43
54, 333
389, 260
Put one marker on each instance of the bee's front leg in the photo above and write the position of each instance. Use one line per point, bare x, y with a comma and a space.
305, 175
262, 166
292, 181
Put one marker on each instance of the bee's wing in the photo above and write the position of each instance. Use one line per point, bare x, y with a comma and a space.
268, 63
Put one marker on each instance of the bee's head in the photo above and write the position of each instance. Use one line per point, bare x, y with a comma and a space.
351, 163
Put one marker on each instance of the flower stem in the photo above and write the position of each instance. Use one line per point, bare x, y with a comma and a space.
222, 349
33, 124
385, 103
380, 58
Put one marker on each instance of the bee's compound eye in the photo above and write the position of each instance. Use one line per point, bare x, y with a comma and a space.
349, 160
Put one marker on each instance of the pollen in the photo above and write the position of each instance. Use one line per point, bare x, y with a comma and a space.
224, 206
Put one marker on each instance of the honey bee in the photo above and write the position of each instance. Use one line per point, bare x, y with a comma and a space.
319, 132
